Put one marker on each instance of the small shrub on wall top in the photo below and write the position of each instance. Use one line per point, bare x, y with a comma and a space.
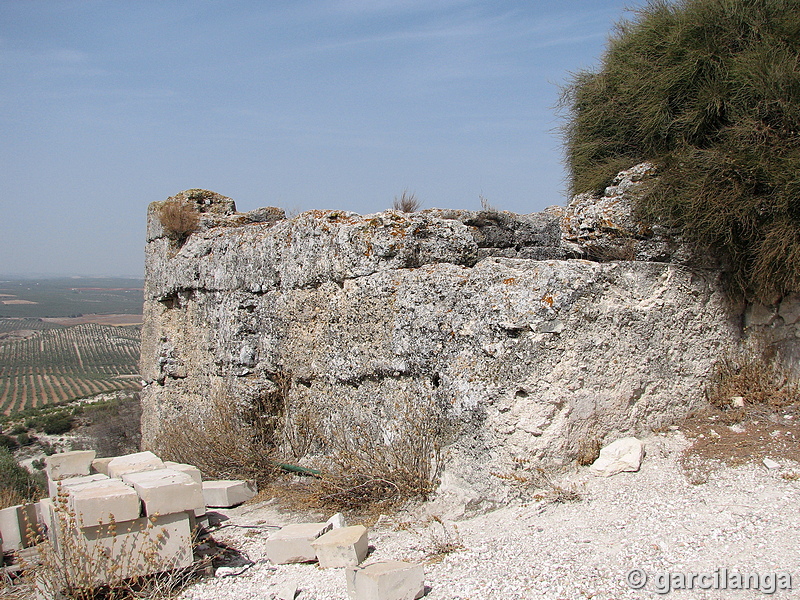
178, 218
709, 91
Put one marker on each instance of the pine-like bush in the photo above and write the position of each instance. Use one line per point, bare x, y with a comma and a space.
708, 90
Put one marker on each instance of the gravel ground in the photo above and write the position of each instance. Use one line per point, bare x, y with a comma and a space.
743, 519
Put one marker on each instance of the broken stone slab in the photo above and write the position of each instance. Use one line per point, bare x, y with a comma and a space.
190, 470
625, 454
100, 465
342, 547
69, 464
337, 521
389, 580
287, 592
46, 514
225, 493
167, 491
73, 483
292, 544
103, 501
133, 463
771, 464
17, 524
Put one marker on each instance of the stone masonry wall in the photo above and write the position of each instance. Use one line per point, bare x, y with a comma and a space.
495, 319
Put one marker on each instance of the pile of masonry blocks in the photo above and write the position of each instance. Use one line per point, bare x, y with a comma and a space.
332, 544
131, 504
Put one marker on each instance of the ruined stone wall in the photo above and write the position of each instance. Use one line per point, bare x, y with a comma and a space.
492, 318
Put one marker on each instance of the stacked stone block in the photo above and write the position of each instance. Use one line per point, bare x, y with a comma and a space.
136, 510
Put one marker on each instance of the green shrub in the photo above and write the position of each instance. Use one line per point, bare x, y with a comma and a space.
708, 90
7, 442
16, 483
55, 423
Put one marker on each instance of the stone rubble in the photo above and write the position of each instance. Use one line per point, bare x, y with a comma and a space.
743, 518
621, 455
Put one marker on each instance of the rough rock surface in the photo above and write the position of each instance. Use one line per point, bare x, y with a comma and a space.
482, 317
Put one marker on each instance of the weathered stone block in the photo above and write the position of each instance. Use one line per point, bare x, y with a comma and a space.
133, 463
343, 547
624, 454
190, 470
167, 491
390, 580
100, 465
46, 515
101, 501
69, 464
72, 483
225, 493
141, 546
292, 544
15, 524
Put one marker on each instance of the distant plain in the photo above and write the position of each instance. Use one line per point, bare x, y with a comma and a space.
68, 338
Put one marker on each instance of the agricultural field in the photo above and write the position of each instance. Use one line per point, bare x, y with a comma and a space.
43, 362
70, 297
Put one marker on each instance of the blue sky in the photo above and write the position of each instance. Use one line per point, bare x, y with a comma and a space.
106, 106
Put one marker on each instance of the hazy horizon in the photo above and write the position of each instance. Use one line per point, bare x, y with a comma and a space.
107, 106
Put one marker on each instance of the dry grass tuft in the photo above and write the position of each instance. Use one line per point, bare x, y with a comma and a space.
407, 202
486, 206
588, 452
179, 219
378, 464
444, 540
539, 481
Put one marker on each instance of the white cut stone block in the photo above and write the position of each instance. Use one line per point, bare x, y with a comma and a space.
167, 491
390, 580
190, 470
342, 547
69, 464
100, 465
292, 544
73, 483
46, 514
133, 463
16, 522
225, 493
129, 546
100, 501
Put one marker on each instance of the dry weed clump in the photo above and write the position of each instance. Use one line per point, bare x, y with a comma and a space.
374, 464
230, 441
538, 480
362, 456
755, 375
444, 540
588, 451
114, 562
407, 202
179, 219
